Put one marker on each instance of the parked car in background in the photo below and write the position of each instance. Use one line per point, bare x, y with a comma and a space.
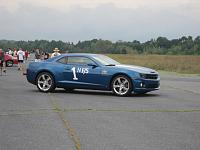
10, 60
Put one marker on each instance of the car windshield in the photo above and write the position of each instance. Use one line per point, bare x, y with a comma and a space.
105, 60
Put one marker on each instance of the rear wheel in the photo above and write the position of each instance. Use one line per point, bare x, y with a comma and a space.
121, 85
9, 63
45, 82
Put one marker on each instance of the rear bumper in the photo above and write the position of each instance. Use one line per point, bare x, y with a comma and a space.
30, 76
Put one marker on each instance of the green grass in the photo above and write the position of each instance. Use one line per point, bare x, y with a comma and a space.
180, 64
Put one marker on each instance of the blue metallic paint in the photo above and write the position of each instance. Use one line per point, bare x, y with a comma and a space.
99, 77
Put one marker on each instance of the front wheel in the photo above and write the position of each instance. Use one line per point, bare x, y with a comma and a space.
45, 82
121, 85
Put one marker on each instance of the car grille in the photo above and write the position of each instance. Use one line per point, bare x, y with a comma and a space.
149, 76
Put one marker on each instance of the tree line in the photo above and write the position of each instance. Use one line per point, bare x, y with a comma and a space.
181, 46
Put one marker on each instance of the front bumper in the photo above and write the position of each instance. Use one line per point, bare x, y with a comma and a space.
145, 85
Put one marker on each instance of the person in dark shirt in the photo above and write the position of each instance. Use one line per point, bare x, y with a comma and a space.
37, 55
46, 55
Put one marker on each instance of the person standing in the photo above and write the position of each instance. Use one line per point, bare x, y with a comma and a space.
20, 56
26, 54
46, 55
15, 52
37, 55
55, 53
10, 52
2, 62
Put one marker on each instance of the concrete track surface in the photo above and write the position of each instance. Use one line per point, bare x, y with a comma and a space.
168, 119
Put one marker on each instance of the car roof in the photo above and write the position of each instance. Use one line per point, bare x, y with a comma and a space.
71, 54
88, 55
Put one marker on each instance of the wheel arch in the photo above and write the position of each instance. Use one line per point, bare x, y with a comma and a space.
41, 71
51, 86
117, 74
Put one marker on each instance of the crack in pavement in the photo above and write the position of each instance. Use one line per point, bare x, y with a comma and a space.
74, 137
26, 112
132, 110
58, 110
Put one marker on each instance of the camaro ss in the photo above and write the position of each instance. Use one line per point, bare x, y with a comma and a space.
91, 71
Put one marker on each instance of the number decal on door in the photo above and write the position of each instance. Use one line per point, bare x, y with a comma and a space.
74, 73
79, 70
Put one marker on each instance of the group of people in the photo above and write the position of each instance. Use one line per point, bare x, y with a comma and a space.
39, 55
14, 52
21, 55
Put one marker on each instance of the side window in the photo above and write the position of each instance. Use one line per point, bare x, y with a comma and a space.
62, 60
79, 60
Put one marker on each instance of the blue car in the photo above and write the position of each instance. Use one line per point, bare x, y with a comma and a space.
91, 71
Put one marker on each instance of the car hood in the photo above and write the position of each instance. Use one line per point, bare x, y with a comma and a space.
138, 69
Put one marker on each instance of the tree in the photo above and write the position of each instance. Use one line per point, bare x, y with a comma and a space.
161, 45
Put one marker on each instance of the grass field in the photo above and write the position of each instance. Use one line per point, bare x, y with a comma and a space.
180, 64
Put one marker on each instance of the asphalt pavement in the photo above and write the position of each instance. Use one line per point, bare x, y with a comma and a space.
168, 119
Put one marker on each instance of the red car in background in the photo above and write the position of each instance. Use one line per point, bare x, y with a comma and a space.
10, 60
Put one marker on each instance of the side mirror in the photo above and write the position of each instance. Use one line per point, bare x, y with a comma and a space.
92, 65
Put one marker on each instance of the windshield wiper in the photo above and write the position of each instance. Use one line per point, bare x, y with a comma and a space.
110, 65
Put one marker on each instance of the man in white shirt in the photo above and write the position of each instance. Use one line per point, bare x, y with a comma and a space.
56, 53
10, 52
20, 56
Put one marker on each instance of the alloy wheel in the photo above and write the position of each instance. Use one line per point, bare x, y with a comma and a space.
45, 82
121, 86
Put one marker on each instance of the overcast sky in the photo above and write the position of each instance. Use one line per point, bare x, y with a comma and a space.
74, 20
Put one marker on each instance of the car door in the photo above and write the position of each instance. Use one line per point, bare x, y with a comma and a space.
82, 72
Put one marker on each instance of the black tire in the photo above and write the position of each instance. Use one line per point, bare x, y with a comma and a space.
9, 63
45, 82
121, 85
